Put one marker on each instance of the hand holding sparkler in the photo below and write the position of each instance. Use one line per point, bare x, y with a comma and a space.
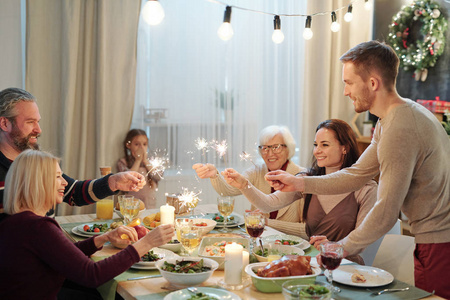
233, 178
156, 165
246, 157
205, 170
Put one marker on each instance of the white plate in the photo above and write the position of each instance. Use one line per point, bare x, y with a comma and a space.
374, 276
302, 244
80, 228
238, 220
80, 233
213, 292
150, 265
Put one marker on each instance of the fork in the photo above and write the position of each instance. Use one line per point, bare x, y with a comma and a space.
389, 290
193, 290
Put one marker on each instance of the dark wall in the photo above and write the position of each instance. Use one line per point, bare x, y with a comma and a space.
438, 80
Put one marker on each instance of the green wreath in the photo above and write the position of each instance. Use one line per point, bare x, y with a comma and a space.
421, 53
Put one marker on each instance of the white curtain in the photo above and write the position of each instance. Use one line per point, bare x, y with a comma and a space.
215, 89
81, 66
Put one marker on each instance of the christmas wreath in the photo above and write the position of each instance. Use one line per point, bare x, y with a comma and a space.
417, 35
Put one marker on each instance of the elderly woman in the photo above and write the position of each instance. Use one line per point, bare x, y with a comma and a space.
276, 147
34, 250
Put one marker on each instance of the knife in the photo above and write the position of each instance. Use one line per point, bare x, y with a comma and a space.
144, 277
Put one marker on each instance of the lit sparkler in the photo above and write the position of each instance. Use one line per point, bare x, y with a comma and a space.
189, 198
202, 145
220, 148
246, 157
158, 165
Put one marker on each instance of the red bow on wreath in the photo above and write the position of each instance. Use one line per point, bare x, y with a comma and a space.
404, 37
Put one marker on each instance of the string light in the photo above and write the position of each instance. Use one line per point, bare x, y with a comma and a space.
368, 5
335, 26
225, 31
307, 32
153, 12
348, 17
277, 36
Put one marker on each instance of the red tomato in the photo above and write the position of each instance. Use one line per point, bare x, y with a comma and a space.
277, 242
285, 243
217, 218
86, 227
96, 230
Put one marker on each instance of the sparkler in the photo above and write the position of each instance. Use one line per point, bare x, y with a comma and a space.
158, 165
189, 199
220, 148
202, 144
246, 157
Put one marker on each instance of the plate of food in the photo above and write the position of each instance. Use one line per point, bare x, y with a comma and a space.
233, 220
90, 229
285, 239
362, 276
204, 293
148, 260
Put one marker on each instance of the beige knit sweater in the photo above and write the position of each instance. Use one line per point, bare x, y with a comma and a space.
411, 151
288, 218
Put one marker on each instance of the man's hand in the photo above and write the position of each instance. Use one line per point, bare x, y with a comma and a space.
317, 240
285, 182
126, 181
233, 178
205, 170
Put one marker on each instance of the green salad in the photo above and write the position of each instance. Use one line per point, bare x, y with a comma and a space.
150, 256
218, 218
185, 266
313, 290
201, 296
266, 253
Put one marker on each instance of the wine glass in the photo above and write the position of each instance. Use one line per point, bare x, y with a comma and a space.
190, 238
254, 224
192, 205
226, 207
331, 255
129, 208
180, 223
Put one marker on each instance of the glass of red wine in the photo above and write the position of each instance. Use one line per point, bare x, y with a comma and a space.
331, 255
254, 224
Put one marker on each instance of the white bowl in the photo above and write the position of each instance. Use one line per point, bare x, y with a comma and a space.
187, 279
207, 241
283, 249
298, 241
210, 224
172, 247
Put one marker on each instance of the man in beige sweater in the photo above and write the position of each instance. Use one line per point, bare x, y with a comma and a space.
411, 152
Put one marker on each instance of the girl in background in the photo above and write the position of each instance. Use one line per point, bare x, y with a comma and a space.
135, 148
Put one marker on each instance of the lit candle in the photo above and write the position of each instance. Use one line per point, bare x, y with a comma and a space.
167, 214
233, 264
245, 260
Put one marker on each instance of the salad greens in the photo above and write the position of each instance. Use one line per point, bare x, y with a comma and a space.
219, 218
150, 256
201, 296
313, 290
186, 266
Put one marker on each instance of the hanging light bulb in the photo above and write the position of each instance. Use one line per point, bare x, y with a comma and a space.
225, 31
277, 35
307, 32
349, 15
367, 5
153, 13
335, 26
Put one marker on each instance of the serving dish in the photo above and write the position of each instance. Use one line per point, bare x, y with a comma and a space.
210, 224
212, 292
208, 241
273, 284
300, 243
238, 220
80, 231
174, 247
186, 279
282, 249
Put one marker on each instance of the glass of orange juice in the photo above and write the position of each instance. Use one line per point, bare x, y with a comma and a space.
105, 208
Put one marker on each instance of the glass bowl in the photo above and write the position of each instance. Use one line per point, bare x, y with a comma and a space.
295, 289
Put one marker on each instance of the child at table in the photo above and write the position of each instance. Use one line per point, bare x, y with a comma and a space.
35, 255
135, 148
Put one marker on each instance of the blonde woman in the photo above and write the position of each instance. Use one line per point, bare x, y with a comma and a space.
35, 251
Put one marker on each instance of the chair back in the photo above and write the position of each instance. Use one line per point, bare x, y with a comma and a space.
369, 253
395, 255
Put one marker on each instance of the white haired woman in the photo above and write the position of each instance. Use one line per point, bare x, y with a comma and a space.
35, 251
276, 147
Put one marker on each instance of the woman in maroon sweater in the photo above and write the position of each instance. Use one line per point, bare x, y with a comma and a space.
35, 255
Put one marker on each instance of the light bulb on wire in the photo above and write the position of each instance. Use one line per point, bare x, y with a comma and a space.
368, 5
307, 32
225, 31
153, 13
277, 35
335, 26
348, 17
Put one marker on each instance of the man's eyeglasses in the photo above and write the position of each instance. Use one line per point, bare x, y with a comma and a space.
277, 148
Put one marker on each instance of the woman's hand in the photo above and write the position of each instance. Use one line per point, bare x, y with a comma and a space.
316, 240
159, 236
285, 182
205, 170
233, 178
115, 238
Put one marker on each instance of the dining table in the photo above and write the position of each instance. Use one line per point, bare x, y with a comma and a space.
129, 288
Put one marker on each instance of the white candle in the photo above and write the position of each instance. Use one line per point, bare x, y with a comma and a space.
167, 214
245, 260
233, 264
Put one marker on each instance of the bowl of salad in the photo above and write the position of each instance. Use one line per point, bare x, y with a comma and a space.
186, 271
293, 289
273, 250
